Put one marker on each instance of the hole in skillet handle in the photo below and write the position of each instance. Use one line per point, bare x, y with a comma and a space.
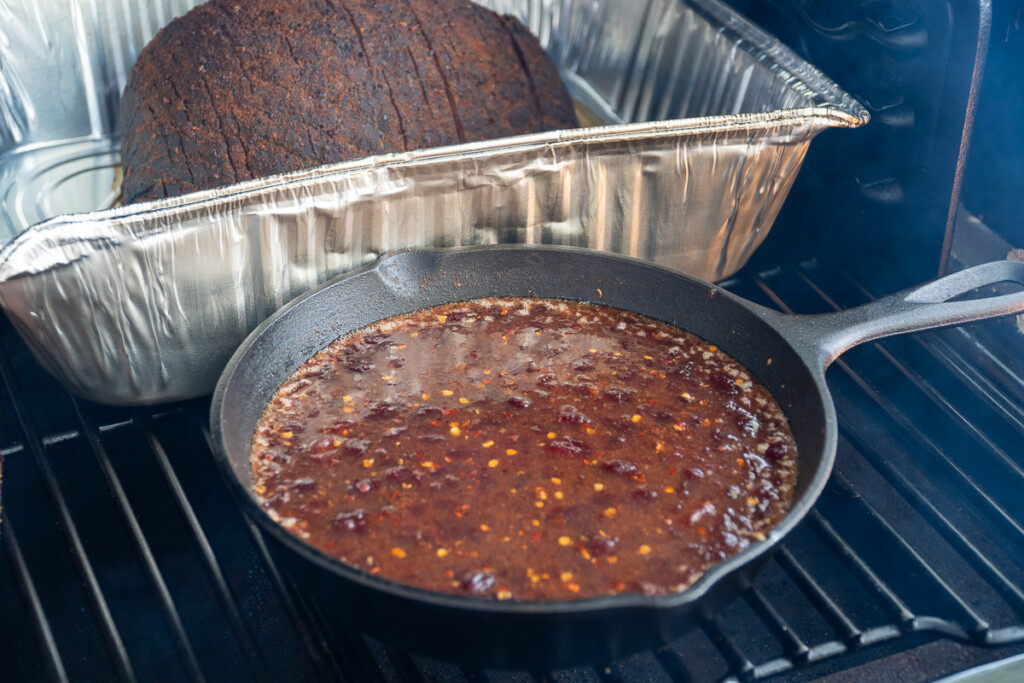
539, 635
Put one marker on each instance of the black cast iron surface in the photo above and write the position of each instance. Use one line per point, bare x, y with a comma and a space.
122, 557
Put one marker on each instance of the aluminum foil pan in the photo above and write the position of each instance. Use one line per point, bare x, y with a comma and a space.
702, 124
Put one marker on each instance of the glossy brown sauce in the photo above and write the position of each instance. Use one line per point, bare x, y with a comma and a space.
525, 449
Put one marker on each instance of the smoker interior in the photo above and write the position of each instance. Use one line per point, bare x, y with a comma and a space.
122, 556
125, 558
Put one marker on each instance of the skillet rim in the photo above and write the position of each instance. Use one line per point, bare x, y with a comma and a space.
690, 596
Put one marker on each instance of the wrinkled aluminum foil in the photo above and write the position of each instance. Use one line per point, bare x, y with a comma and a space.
706, 123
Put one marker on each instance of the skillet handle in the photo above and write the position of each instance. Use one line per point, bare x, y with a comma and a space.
919, 308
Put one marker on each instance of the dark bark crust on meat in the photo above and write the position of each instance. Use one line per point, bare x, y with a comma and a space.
238, 90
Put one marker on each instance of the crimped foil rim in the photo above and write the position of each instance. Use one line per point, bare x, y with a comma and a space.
121, 222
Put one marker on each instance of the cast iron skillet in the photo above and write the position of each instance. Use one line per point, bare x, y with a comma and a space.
788, 354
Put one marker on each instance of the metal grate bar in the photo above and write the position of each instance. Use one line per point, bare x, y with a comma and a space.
671, 662
936, 397
53, 661
359, 663
994, 510
13, 449
772, 668
851, 559
47, 441
256, 664
975, 624
1008, 635
997, 400
94, 593
964, 547
844, 626
326, 665
999, 581
952, 363
149, 562
738, 662
794, 647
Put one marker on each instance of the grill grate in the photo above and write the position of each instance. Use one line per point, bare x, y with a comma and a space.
124, 558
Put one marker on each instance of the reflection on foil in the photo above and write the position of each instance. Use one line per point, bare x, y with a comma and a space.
707, 123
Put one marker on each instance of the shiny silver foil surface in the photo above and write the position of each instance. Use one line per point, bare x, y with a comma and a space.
701, 122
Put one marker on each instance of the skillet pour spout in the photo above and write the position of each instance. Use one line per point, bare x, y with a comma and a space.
787, 353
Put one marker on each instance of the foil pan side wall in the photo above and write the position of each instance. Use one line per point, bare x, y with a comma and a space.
155, 317
655, 60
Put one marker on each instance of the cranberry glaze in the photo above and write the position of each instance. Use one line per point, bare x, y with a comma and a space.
525, 449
